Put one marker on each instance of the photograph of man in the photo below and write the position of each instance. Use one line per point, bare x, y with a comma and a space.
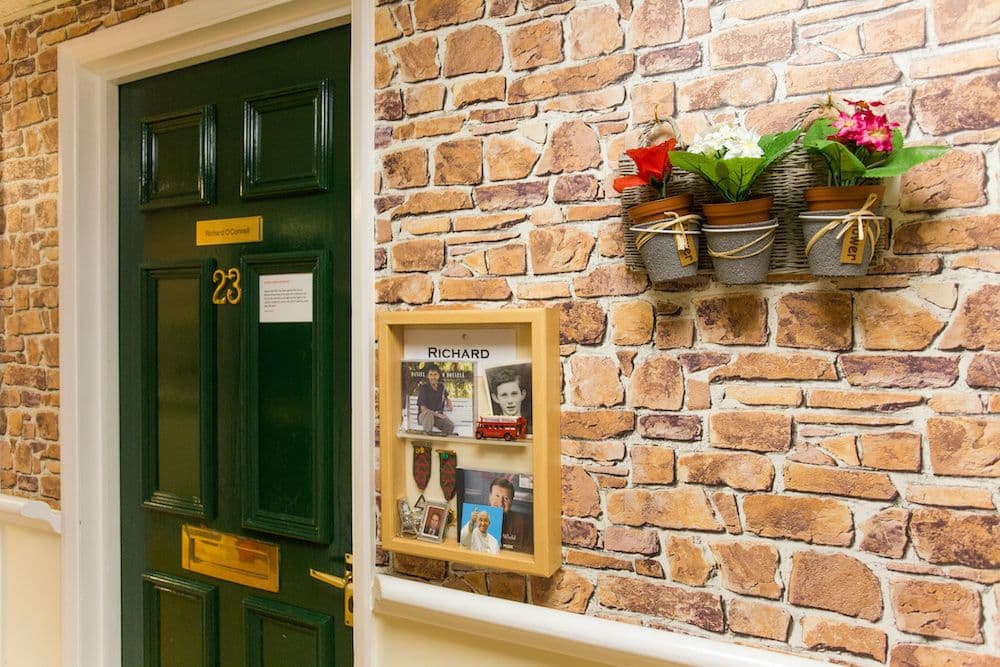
434, 523
433, 402
516, 533
510, 391
475, 534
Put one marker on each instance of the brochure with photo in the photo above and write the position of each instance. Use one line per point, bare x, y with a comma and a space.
439, 397
510, 493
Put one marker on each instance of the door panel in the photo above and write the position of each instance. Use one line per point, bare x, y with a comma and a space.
235, 427
180, 621
178, 158
286, 419
282, 634
287, 143
178, 385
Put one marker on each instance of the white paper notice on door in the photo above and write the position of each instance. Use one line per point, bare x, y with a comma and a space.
286, 297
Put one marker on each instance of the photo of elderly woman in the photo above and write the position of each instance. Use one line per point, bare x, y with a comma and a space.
510, 390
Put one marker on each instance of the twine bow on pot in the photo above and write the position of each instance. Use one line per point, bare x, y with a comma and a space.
734, 253
671, 224
862, 220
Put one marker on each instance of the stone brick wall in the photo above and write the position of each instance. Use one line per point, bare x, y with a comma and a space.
805, 465
29, 236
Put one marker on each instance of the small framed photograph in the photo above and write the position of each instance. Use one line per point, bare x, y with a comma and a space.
434, 523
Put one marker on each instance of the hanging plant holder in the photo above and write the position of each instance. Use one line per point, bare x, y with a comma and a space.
842, 243
786, 181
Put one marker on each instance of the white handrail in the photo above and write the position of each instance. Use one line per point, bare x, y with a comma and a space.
585, 637
31, 513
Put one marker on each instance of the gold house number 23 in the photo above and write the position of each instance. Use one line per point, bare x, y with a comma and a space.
227, 286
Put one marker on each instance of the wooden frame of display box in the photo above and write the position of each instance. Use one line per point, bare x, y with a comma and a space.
534, 334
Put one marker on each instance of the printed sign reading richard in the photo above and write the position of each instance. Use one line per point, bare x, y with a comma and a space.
494, 345
286, 297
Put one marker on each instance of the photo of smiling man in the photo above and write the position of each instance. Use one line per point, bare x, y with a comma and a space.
510, 390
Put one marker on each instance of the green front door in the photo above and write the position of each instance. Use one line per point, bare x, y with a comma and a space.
235, 358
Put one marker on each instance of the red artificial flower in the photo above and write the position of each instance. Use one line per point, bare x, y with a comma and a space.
652, 163
863, 105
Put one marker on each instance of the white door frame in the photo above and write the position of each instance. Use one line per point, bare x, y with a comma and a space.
90, 70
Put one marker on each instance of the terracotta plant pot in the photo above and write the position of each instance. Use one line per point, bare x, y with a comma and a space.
654, 210
842, 197
739, 212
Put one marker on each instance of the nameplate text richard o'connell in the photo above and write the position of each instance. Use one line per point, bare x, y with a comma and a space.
229, 230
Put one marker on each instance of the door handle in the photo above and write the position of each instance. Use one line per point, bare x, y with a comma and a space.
345, 582
331, 579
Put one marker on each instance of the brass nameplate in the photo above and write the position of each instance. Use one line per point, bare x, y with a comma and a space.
229, 230
230, 557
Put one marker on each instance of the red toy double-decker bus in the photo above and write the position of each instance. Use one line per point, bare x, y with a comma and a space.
508, 428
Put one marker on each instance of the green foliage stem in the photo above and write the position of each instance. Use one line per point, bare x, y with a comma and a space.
734, 177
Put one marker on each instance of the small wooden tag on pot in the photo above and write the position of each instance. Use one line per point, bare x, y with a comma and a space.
853, 249
689, 254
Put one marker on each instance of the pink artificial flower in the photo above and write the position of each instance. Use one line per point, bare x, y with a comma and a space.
875, 133
864, 128
848, 127
876, 138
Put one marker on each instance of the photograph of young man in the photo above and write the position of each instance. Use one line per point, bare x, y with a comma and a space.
433, 402
509, 391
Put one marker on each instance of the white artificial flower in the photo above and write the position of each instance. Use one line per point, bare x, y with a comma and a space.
728, 141
743, 143
709, 142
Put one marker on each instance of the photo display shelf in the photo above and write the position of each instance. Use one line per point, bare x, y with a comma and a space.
469, 431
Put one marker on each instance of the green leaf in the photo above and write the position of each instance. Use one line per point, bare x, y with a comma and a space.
739, 176
696, 163
726, 176
819, 130
897, 140
844, 166
774, 145
904, 159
